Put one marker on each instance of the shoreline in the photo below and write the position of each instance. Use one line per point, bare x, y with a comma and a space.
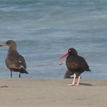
24, 92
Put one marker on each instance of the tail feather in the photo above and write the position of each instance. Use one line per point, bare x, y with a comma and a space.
87, 69
22, 70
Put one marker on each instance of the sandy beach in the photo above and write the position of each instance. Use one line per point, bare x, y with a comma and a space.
52, 93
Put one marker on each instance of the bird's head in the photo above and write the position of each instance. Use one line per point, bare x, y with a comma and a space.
9, 43
71, 51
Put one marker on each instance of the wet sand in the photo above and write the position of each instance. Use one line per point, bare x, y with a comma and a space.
52, 93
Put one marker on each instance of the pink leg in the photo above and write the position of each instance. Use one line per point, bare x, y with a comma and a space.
78, 80
73, 83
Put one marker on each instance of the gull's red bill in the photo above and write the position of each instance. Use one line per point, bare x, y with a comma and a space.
63, 56
2, 45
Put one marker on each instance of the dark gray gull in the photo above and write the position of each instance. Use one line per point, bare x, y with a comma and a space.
14, 61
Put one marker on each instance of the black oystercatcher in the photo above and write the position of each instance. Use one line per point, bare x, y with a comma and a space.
75, 64
14, 61
68, 73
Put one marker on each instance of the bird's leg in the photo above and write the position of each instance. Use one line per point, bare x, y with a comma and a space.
78, 80
11, 74
73, 83
19, 75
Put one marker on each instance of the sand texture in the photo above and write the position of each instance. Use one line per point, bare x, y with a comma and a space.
52, 93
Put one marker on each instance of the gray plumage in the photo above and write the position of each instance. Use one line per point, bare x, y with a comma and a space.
14, 61
68, 74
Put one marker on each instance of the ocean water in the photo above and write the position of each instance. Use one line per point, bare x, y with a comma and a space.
44, 30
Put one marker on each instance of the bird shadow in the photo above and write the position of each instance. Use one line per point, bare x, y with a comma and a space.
86, 84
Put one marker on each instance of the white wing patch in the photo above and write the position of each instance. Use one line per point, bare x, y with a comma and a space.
22, 67
20, 61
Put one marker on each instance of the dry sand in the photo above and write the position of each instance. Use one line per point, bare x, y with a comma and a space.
52, 93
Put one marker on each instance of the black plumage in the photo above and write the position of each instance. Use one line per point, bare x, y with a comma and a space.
14, 61
76, 64
68, 73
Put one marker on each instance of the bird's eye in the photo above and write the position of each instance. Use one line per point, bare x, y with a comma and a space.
69, 50
7, 42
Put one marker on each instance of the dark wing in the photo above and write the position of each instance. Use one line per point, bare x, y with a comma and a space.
76, 62
15, 60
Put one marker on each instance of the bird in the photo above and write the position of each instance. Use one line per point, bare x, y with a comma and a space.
68, 73
14, 61
76, 64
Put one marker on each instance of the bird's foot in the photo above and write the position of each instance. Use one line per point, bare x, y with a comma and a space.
73, 84
76, 84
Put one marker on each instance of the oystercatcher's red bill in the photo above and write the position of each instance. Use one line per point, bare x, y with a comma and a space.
63, 56
62, 63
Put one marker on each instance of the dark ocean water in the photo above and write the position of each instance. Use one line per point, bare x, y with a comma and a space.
44, 30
